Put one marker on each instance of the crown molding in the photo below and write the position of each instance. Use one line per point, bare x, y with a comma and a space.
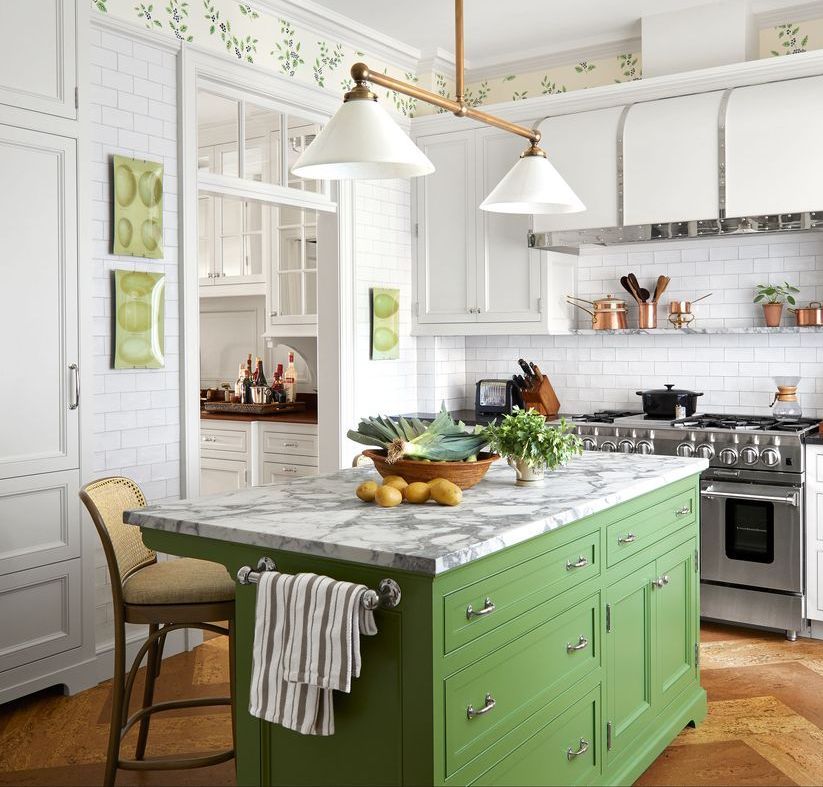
802, 12
330, 24
439, 61
134, 31
594, 48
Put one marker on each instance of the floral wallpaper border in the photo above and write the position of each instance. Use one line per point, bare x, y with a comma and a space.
243, 32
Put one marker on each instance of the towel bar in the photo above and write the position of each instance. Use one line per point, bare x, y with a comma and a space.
387, 594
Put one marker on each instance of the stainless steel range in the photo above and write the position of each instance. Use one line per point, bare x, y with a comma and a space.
752, 512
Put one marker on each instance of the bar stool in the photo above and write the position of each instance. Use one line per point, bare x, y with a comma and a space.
167, 596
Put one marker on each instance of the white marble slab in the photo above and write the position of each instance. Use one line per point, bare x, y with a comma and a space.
321, 515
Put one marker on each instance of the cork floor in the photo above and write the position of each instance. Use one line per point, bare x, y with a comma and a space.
765, 722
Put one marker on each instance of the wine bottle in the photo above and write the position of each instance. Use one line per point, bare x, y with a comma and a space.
290, 382
247, 383
278, 390
259, 376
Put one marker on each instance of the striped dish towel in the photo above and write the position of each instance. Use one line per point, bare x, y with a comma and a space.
306, 644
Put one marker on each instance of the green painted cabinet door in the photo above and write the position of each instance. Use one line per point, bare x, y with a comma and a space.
674, 614
628, 649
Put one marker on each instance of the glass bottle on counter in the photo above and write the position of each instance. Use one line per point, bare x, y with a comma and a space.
259, 376
290, 382
247, 383
238, 384
278, 390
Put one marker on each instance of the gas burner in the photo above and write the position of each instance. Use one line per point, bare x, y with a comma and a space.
743, 423
602, 416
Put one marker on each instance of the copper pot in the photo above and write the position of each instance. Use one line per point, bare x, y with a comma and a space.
608, 314
809, 315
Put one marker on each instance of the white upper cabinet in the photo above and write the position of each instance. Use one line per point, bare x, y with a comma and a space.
670, 156
774, 155
583, 149
38, 62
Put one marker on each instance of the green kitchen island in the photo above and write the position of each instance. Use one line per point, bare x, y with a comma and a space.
545, 635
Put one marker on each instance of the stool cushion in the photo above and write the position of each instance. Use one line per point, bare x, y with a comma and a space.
183, 581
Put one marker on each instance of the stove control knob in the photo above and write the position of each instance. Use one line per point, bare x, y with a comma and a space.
705, 451
644, 447
608, 446
589, 444
685, 449
626, 446
728, 456
770, 457
749, 455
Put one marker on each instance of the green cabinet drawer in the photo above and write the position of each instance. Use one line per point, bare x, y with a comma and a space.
481, 607
492, 696
565, 751
628, 536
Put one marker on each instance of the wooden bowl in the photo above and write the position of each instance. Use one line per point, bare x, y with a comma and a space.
464, 474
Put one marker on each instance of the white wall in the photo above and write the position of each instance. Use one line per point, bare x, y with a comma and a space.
137, 412
732, 370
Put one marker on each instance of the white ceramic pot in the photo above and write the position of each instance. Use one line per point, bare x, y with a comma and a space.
526, 475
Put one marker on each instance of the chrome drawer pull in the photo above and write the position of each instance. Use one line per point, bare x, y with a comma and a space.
488, 608
291, 445
581, 645
629, 538
683, 511
661, 581
289, 469
581, 562
584, 747
488, 704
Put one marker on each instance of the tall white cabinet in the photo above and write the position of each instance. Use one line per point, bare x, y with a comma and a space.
43, 578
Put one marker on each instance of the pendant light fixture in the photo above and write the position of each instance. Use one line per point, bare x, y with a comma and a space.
362, 141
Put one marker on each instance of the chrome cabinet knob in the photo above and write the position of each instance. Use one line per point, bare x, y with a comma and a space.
644, 447
661, 582
626, 447
488, 704
608, 446
581, 562
728, 456
705, 451
629, 538
685, 449
488, 608
749, 455
581, 644
582, 748
770, 457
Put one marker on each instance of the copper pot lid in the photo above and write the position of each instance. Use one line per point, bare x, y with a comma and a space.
609, 304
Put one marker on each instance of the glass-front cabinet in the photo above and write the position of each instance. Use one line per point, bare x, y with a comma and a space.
257, 224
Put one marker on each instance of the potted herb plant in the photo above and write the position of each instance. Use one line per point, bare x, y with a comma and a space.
772, 297
531, 446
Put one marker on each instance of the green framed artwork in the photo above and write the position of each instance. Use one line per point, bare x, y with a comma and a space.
138, 207
139, 307
385, 324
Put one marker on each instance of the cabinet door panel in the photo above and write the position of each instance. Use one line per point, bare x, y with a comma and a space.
674, 634
446, 278
508, 272
37, 60
38, 301
629, 657
222, 475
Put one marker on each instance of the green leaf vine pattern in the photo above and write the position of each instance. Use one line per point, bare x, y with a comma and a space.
476, 99
584, 67
628, 66
178, 11
346, 84
550, 88
519, 95
442, 90
216, 24
100, 5
403, 104
789, 35
288, 50
327, 60
242, 48
247, 10
146, 13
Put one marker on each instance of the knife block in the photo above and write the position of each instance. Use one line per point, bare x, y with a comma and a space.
542, 398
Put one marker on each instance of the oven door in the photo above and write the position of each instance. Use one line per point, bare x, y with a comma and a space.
752, 535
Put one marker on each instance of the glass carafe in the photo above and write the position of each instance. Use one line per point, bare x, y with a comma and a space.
786, 405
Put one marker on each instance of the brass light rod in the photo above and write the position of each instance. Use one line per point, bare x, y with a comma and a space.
360, 73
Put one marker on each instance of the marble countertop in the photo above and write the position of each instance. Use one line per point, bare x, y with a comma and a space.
320, 515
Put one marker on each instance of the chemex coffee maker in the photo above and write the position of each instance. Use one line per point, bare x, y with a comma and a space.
786, 405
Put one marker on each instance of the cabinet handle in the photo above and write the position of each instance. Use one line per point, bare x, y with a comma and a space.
581, 562
488, 704
661, 582
583, 748
245, 476
582, 644
291, 445
289, 469
488, 608
74, 403
687, 509
629, 538
274, 314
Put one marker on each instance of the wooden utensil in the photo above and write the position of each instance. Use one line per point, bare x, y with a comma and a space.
660, 287
636, 286
644, 294
624, 281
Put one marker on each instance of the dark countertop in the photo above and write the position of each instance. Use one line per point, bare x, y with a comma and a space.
302, 417
814, 439
466, 416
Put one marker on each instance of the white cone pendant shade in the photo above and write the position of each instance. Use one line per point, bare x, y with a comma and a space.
361, 141
532, 185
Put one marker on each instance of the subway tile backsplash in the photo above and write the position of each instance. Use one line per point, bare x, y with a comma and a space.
733, 370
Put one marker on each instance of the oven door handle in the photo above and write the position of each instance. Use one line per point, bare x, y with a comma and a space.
790, 499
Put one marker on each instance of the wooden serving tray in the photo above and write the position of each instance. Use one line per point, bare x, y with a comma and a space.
275, 408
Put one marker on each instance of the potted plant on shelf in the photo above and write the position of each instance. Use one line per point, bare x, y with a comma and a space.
531, 446
772, 297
